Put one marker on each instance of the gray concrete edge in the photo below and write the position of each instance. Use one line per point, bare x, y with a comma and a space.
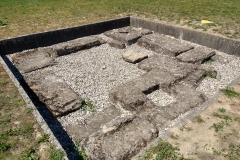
181, 121
30, 105
43, 39
223, 44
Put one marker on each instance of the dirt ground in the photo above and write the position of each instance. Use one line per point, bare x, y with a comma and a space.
214, 134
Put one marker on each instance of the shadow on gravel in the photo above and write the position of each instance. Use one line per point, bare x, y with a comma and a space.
55, 126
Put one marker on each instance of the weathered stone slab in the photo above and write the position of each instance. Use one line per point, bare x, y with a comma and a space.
84, 128
209, 70
178, 69
164, 45
129, 96
133, 57
220, 59
187, 98
128, 35
57, 95
32, 60
117, 44
196, 55
156, 116
122, 143
195, 78
154, 79
77, 45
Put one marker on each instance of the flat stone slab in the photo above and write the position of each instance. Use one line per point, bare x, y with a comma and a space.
195, 78
77, 45
85, 127
128, 96
56, 94
196, 55
133, 57
155, 79
32, 60
128, 35
131, 136
172, 65
187, 98
117, 44
164, 45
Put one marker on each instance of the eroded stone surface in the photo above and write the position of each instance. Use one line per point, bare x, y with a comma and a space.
187, 98
220, 59
128, 35
57, 95
133, 57
117, 44
76, 45
195, 78
154, 79
121, 144
129, 96
196, 55
178, 69
32, 60
164, 45
85, 127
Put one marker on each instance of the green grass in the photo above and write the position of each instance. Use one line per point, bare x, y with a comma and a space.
29, 154
222, 116
43, 138
163, 151
210, 74
87, 105
18, 127
230, 93
199, 119
56, 154
219, 126
30, 16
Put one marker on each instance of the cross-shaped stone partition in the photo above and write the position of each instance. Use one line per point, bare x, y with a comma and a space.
175, 68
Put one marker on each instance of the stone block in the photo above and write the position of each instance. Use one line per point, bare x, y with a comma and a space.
82, 129
133, 57
117, 44
154, 79
77, 45
196, 55
178, 69
56, 94
124, 143
128, 96
195, 78
164, 45
32, 60
128, 35
187, 98
220, 59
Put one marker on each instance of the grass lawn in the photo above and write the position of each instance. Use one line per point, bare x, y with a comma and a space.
20, 136
19, 17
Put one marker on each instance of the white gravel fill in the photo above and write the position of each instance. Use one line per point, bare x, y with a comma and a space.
226, 73
161, 98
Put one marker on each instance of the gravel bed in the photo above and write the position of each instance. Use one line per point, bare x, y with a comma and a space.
161, 98
226, 73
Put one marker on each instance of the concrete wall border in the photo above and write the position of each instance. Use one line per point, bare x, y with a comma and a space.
229, 46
